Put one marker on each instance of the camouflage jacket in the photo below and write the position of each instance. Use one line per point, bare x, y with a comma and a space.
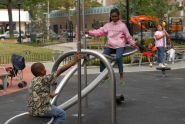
39, 94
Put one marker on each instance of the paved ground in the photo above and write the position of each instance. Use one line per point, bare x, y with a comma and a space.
27, 76
63, 47
150, 99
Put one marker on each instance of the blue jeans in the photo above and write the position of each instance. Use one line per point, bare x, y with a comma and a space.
160, 54
58, 114
119, 52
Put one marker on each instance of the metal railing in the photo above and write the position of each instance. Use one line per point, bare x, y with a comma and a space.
33, 57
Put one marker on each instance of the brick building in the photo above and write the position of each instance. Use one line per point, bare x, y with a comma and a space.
94, 16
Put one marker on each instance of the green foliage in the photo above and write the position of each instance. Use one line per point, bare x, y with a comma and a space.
59, 4
149, 41
96, 24
122, 8
92, 3
2, 6
35, 8
144, 7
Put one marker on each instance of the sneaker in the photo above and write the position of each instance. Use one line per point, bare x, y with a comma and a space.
150, 65
165, 64
122, 83
161, 65
105, 80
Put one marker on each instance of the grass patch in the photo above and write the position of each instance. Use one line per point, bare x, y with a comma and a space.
11, 48
31, 53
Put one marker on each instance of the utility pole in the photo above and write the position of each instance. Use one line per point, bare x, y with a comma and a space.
128, 16
19, 39
85, 46
78, 33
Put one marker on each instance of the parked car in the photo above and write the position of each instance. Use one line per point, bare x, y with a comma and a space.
6, 35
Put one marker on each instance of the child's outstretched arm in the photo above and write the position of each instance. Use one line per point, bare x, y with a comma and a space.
53, 94
102, 31
78, 57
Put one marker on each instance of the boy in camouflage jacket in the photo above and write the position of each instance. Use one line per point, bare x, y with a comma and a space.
39, 91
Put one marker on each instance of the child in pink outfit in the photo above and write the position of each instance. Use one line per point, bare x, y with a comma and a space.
160, 42
117, 35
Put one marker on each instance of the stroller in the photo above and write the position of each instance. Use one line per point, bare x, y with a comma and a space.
18, 63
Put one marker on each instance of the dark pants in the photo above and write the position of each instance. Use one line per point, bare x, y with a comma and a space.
119, 52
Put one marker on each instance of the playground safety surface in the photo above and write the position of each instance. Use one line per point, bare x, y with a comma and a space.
150, 99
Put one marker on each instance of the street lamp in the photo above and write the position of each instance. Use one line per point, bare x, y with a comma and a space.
19, 3
47, 20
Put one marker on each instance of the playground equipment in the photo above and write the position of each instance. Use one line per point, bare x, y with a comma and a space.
174, 25
24, 117
137, 20
163, 70
120, 99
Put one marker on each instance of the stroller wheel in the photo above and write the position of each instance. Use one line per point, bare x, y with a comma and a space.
22, 84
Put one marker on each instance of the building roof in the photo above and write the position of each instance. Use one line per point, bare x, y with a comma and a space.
15, 15
89, 11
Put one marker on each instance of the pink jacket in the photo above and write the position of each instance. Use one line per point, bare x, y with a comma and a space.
117, 34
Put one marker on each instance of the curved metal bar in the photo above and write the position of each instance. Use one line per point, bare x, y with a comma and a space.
129, 50
112, 76
86, 90
63, 82
19, 115
93, 84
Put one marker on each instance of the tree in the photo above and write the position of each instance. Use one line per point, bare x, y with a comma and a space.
9, 4
34, 7
144, 7
92, 3
2, 6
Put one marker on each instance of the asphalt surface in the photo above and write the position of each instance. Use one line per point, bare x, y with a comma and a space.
150, 99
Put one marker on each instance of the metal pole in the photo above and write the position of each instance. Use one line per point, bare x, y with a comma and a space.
85, 46
141, 30
79, 63
19, 6
128, 17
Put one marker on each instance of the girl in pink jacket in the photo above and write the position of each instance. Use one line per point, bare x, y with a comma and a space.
117, 35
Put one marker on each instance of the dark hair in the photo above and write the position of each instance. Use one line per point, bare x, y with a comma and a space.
114, 10
36, 69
